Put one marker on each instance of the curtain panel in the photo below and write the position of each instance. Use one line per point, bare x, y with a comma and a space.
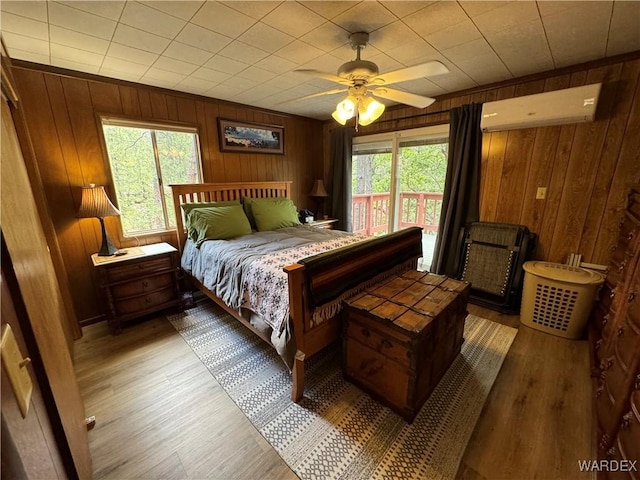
461, 197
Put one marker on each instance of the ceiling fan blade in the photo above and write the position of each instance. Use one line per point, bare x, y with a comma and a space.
324, 75
314, 95
417, 71
407, 98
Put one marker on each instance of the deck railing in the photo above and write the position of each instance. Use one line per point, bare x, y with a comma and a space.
370, 212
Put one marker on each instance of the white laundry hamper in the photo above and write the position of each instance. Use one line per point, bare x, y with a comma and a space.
558, 298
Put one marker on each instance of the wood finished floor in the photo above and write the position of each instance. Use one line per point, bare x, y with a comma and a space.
160, 413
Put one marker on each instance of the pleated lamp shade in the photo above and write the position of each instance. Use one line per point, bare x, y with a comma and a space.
95, 203
318, 189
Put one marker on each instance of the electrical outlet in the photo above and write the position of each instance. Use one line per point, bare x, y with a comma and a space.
541, 193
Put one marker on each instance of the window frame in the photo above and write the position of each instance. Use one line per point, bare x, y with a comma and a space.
395, 138
150, 124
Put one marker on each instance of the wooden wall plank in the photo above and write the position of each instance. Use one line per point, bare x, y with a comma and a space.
626, 117
130, 103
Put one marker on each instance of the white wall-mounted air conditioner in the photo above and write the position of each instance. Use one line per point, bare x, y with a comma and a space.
570, 105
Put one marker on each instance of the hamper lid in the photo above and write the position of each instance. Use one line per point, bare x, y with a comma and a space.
563, 273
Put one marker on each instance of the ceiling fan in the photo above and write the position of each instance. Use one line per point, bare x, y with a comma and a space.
360, 77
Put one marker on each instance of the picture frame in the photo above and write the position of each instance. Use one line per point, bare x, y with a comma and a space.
248, 137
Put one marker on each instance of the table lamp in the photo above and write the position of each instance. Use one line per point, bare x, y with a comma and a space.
95, 203
318, 191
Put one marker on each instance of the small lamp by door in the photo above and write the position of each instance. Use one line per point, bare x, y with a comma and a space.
95, 203
319, 192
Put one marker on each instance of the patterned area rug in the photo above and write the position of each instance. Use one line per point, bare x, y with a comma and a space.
337, 431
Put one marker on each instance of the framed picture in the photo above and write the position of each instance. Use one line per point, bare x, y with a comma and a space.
244, 137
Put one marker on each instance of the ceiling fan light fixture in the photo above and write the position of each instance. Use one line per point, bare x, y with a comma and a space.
369, 110
345, 110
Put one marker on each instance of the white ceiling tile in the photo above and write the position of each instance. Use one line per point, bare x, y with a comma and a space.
36, 10
241, 83
24, 26
184, 9
475, 8
454, 81
413, 53
265, 37
157, 82
329, 9
523, 48
75, 55
149, 42
222, 19
347, 53
163, 75
365, 17
151, 20
80, 21
258, 74
181, 51
202, 38
475, 59
506, 15
393, 35
71, 65
64, 36
223, 91
134, 55
403, 8
435, 17
577, 34
242, 52
209, 75
119, 65
195, 85
551, 8
327, 37
17, 54
128, 75
173, 65
325, 63
226, 65
457, 34
299, 52
624, 34
254, 9
111, 9
285, 81
258, 93
27, 44
283, 17
276, 64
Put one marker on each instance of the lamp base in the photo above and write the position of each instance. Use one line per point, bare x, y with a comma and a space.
107, 249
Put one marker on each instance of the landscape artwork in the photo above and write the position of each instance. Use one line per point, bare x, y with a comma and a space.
250, 137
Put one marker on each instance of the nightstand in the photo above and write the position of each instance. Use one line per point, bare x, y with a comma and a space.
142, 281
325, 223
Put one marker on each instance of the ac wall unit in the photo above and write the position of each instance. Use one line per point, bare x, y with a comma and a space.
570, 105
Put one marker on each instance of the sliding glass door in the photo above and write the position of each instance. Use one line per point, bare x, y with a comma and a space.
397, 182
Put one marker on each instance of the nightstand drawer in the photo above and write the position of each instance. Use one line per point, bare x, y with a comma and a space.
145, 302
133, 269
142, 285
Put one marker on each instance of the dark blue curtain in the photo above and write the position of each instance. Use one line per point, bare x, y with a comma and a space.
460, 201
340, 177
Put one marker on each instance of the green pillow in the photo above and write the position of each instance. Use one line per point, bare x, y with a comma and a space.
187, 208
246, 203
218, 223
273, 213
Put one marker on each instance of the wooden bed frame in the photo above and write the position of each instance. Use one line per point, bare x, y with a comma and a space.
312, 280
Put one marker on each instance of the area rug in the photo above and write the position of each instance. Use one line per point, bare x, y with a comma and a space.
337, 431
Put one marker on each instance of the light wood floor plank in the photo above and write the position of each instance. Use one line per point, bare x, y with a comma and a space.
160, 413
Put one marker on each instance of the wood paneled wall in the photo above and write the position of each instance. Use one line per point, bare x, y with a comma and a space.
585, 167
62, 117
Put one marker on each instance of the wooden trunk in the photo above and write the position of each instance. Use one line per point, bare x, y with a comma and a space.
401, 336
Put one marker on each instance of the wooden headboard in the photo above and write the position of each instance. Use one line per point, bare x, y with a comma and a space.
219, 192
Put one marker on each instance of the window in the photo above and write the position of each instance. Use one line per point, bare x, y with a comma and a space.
145, 159
397, 182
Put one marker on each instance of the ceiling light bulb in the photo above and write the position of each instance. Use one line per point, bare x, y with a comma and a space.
369, 110
336, 116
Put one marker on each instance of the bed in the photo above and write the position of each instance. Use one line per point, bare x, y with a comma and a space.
315, 285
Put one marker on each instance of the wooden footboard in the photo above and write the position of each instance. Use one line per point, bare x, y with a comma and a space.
319, 281
314, 282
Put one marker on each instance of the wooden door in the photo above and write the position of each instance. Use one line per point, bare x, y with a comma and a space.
36, 278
